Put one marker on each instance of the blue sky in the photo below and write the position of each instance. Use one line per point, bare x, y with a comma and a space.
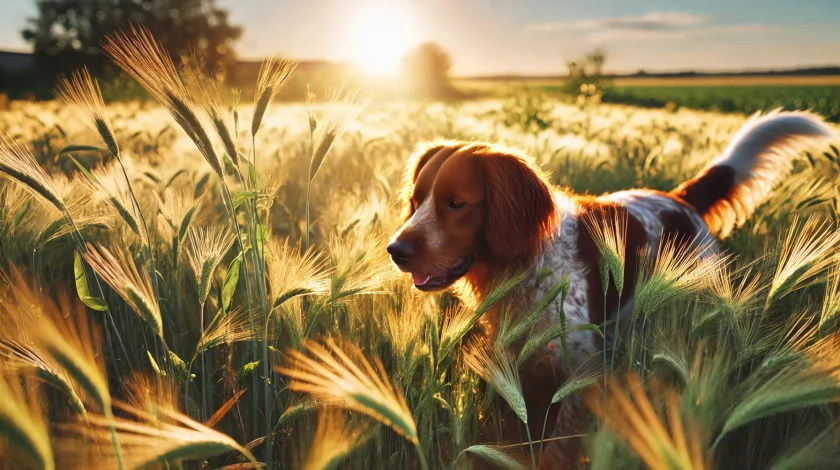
530, 36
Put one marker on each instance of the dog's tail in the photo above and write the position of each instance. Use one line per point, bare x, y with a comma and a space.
729, 189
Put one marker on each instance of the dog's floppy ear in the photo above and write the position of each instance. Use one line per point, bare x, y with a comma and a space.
418, 159
521, 212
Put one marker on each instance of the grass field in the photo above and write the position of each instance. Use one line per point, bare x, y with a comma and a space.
728, 94
162, 264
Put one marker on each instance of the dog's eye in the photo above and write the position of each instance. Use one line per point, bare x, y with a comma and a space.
455, 205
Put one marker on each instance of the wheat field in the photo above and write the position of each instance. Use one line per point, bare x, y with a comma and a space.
197, 283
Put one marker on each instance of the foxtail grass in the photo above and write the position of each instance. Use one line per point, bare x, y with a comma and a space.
21, 424
678, 270
20, 354
179, 211
138, 53
609, 232
459, 322
510, 333
344, 107
357, 269
206, 93
291, 274
18, 164
662, 443
148, 439
82, 93
831, 301
807, 251
118, 270
208, 246
352, 382
233, 327
69, 343
499, 369
273, 75
335, 438
109, 185
502, 457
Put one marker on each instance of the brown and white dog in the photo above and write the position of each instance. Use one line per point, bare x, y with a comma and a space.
474, 208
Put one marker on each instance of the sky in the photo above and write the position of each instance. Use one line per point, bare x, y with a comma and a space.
528, 36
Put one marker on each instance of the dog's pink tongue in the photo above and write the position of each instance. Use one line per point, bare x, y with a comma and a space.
420, 280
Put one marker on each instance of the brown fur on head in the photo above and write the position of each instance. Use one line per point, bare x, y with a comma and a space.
470, 207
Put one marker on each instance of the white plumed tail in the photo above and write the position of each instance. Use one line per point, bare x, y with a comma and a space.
729, 189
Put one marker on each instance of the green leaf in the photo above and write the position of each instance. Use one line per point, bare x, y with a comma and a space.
593, 328
199, 187
153, 177
94, 303
241, 196
231, 280
290, 295
80, 148
82, 288
84, 170
155, 365
173, 177
185, 224
262, 234
256, 182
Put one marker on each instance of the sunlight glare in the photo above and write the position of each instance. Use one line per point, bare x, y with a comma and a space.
379, 37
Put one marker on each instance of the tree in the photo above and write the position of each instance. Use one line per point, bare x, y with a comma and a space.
70, 32
426, 68
588, 70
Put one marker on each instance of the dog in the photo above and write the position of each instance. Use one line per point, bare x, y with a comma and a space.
473, 209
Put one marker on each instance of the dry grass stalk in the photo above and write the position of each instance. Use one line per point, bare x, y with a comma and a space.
119, 271
21, 424
81, 92
679, 270
234, 327
808, 250
335, 438
138, 53
18, 164
662, 444
273, 75
609, 232
344, 107
499, 369
291, 274
147, 438
350, 380
208, 246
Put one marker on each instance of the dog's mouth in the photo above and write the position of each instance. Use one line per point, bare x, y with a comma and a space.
430, 283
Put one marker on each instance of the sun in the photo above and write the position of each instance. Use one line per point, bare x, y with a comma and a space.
380, 35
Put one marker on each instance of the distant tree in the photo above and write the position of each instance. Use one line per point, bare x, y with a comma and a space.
71, 31
426, 68
596, 59
586, 76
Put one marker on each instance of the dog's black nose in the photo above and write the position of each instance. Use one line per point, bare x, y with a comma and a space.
401, 252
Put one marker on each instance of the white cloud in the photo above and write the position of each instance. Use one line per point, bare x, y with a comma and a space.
653, 25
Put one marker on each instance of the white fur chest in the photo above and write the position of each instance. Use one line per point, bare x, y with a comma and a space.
560, 260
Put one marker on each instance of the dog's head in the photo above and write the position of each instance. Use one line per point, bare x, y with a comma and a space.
469, 205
